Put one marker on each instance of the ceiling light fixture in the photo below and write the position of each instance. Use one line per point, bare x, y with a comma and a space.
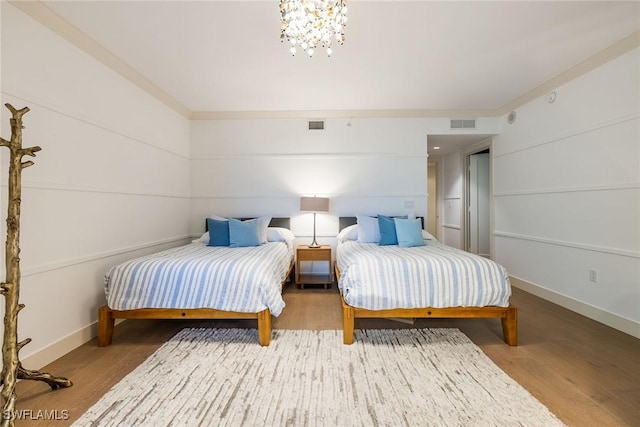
311, 23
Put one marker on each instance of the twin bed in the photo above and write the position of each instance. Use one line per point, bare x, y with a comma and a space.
198, 281
429, 280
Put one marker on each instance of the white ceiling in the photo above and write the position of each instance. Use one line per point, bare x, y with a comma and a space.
226, 56
216, 59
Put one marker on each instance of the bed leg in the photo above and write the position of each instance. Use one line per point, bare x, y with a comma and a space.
106, 323
348, 322
264, 327
510, 327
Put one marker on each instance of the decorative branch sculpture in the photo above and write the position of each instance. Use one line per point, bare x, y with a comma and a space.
12, 369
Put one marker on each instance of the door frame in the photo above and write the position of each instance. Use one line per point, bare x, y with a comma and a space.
464, 214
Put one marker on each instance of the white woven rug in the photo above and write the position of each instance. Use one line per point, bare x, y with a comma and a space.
410, 377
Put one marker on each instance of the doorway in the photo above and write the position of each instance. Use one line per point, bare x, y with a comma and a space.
432, 199
477, 201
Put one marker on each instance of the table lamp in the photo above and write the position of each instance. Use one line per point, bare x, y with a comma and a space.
315, 205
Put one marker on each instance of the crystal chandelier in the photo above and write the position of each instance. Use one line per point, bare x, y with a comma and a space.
311, 23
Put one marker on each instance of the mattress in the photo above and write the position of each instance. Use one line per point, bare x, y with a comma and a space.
377, 277
246, 279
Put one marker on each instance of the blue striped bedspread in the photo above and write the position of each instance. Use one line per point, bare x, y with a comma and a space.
387, 277
246, 280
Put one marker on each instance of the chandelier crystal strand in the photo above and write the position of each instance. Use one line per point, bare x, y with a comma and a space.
309, 24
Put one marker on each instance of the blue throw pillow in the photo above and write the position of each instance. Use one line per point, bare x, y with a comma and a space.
243, 233
409, 232
218, 232
388, 235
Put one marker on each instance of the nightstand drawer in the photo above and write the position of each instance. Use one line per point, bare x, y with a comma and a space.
319, 254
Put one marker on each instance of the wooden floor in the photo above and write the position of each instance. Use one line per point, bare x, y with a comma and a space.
586, 373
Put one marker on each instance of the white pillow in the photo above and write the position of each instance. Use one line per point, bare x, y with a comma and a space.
348, 233
279, 234
218, 218
263, 224
427, 236
368, 229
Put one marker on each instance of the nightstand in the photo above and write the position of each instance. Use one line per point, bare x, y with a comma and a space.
304, 253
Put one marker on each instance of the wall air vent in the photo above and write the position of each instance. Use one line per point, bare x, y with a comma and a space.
316, 124
463, 123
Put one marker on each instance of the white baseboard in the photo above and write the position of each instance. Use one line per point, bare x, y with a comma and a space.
59, 348
613, 320
48, 354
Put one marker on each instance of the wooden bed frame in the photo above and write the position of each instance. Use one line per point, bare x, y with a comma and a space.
107, 316
508, 315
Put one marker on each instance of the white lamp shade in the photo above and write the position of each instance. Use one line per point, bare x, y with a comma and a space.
314, 204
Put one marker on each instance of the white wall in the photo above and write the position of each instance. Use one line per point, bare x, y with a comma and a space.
257, 167
263, 166
111, 181
567, 194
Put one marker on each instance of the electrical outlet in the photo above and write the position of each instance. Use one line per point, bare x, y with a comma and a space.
593, 275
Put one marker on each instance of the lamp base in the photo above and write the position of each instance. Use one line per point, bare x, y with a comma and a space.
314, 244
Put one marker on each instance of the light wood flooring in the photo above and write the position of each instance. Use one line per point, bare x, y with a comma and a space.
586, 373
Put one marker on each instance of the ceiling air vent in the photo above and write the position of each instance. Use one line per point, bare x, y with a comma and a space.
463, 123
316, 124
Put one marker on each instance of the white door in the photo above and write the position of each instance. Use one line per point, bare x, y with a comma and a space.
478, 226
432, 207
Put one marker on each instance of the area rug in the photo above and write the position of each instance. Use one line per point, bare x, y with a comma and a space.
408, 377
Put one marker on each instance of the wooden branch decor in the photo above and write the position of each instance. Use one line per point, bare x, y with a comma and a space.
12, 369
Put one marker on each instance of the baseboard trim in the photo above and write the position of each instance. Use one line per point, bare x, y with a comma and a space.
613, 320
52, 352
